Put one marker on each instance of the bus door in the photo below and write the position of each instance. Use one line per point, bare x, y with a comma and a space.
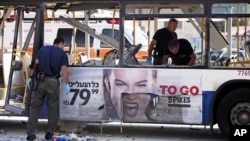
17, 94
3, 51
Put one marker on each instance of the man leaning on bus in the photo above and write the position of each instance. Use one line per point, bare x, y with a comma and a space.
180, 51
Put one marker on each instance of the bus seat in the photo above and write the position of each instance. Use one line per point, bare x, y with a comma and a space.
83, 58
247, 49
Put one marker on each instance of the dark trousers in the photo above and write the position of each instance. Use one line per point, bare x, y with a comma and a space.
157, 60
48, 88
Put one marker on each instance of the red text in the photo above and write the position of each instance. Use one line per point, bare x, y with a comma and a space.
183, 90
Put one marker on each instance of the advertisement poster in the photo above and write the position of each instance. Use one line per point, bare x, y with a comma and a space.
85, 97
133, 95
180, 99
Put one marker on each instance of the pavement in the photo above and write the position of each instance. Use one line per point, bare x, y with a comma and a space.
15, 130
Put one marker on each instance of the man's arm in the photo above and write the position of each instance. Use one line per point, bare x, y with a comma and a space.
65, 74
33, 68
151, 46
165, 59
192, 59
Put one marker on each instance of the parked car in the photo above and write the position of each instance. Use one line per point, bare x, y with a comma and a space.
199, 55
222, 55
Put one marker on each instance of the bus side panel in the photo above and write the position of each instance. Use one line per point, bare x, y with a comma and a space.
142, 95
133, 95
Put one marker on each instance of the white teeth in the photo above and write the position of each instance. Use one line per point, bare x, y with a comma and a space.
131, 105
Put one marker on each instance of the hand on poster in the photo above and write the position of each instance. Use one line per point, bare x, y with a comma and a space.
67, 89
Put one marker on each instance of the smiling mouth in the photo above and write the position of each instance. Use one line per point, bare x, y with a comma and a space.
131, 109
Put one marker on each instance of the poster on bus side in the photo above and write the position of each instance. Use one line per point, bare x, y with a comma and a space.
132, 95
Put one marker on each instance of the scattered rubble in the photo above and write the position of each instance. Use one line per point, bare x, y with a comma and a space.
73, 137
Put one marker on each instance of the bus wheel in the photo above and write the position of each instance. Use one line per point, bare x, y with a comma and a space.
234, 109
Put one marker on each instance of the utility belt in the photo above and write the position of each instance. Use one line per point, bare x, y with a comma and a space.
41, 76
157, 53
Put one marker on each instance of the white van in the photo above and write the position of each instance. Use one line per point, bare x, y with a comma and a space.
98, 48
53, 28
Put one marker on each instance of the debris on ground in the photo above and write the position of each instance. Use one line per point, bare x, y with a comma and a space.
72, 137
2, 131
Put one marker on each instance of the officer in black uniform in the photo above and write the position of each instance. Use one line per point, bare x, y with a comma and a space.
160, 40
180, 51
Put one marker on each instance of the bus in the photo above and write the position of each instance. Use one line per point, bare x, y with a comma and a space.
121, 88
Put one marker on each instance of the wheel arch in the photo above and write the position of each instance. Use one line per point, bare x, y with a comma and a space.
222, 91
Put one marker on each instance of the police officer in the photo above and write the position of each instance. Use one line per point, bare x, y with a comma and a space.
160, 40
181, 53
50, 61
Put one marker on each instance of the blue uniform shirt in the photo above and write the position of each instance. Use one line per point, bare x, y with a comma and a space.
51, 58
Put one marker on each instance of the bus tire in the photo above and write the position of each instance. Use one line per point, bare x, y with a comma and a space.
234, 109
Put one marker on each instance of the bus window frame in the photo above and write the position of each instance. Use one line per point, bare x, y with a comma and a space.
130, 16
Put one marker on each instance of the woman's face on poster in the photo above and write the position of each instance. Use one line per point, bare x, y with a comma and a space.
136, 84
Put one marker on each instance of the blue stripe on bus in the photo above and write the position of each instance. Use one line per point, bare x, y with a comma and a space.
206, 101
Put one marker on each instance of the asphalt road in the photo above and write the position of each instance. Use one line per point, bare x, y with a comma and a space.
15, 130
